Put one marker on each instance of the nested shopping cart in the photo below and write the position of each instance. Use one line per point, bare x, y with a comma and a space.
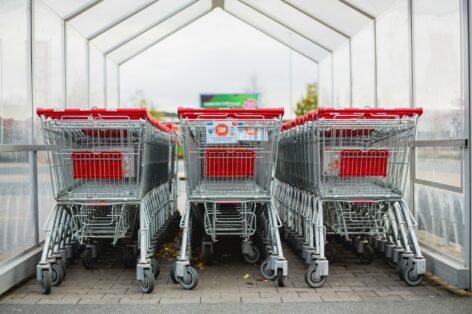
342, 172
229, 159
113, 174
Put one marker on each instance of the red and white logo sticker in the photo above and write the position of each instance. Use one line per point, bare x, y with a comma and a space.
221, 129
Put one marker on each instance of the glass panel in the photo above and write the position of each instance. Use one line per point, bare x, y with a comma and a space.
341, 77
373, 7
112, 84
97, 67
48, 63
442, 165
66, 7
103, 14
325, 98
138, 23
46, 200
441, 221
15, 107
437, 59
299, 22
16, 221
363, 68
275, 30
165, 77
334, 13
76, 70
392, 57
161, 31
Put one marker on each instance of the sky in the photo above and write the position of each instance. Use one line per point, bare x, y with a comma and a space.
216, 54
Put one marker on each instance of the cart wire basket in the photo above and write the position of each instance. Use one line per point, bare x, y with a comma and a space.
113, 175
341, 173
229, 159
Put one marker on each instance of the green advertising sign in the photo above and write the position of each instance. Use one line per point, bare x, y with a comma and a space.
250, 100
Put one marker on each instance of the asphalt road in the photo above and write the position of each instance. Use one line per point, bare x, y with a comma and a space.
449, 305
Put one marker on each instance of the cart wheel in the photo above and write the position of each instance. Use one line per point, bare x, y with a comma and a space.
402, 266
63, 265
367, 255
129, 260
206, 255
87, 260
190, 278
45, 282
147, 284
266, 272
56, 275
330, 252
156, 270
280, 278
391, 263
172, 273
410, 278
312, 280
254, 256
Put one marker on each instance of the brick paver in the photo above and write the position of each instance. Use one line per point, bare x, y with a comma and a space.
227, 281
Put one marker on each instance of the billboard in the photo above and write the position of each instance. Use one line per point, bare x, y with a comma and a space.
247, 100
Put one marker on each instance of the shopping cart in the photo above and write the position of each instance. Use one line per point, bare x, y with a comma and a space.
342, 172
229, 158
113, 174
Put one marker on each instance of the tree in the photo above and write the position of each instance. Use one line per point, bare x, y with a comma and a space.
309, 101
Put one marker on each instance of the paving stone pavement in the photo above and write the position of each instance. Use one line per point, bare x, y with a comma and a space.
228, 281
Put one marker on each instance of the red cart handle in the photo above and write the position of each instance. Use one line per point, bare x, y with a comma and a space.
101, 113
235, 113
363, 113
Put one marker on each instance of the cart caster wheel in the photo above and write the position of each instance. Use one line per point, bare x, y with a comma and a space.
312, 280
190, 278
155, 268
87, 260
172, 274
206, 255
391, 263
410, 278
45, 282
280, 278
57, 274
128, 258
147, 284
402, 266
61, 264
330, 252
266, 272
254, 257
367, 255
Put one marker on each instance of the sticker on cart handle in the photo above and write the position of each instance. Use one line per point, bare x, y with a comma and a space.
221, 132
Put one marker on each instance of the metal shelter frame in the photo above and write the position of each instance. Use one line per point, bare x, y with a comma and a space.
11, 274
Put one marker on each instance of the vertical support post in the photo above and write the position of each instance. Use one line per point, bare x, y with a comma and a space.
87, 60
466, 46
105, 81
118, 83
350, 72
375, 62
332, 79
30, 94
64, 59
411, 98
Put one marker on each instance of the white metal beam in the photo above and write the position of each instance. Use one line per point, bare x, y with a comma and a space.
273, 37
149, 27
122, 19
286, 26
81, 10
311, 16
140, 51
